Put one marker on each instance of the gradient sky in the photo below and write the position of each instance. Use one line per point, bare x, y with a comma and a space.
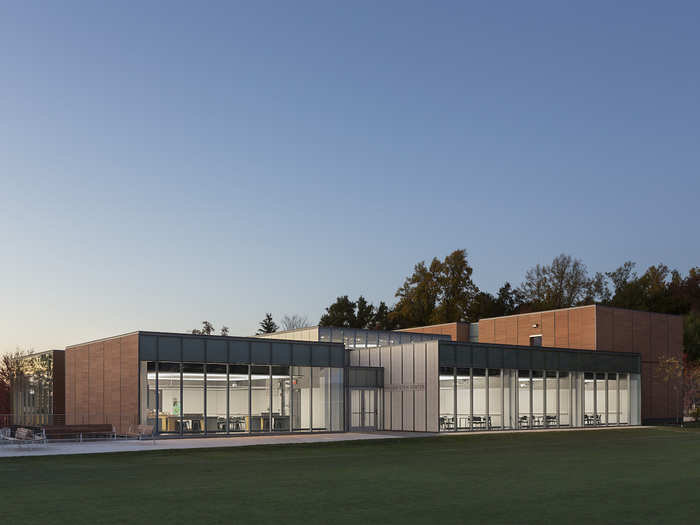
161, 164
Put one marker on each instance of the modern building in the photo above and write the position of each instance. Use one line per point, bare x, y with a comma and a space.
37, 396
592, 328
186, 384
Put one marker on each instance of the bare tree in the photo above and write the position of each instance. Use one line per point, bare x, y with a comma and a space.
294, 322
12, 367
224, 330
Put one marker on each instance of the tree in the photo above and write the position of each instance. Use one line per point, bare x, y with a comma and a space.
207, 329
294, 322
340, 313
382, 318
224, 330
562, 284
683, 377
267, 325
440, 293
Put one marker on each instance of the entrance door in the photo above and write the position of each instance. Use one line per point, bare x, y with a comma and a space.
363, 409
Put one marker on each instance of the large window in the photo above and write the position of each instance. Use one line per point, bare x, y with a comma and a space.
495, 398
480, 393
149, 407
169, 417
259, 398
216, 399
601, 399
321, 405
623, 386
564, 398
589, 398
337, 400
464, 399
613, 400
281, 395
524, 407
301, 398
447, 398
550, 399
238, 390
193, 398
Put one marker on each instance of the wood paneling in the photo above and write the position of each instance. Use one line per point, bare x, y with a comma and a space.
102, 382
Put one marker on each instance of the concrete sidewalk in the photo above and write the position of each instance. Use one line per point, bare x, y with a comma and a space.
101, 447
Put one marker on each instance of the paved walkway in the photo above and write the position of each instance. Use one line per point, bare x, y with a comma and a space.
101, 447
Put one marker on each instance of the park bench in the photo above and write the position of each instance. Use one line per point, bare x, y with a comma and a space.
81, 432
23, 436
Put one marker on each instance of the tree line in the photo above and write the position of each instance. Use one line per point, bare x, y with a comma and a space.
443, 291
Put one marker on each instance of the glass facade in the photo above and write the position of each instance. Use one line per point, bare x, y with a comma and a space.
356, 338
31, 392
484, 399
198, 398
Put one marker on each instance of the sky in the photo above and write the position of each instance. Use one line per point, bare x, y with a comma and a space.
166, 163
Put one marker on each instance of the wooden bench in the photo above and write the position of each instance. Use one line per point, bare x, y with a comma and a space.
140, 431
80, 431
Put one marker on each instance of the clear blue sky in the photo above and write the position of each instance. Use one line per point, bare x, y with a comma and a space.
162, 164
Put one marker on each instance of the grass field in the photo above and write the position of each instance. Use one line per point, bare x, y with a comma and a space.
633, 476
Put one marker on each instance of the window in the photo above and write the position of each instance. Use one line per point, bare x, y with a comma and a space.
535, 340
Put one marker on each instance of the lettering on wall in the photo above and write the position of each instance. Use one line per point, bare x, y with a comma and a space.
408, 387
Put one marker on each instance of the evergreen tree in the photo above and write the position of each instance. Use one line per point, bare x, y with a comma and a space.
267, 325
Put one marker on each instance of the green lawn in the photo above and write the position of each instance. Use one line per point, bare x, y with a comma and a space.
634, 476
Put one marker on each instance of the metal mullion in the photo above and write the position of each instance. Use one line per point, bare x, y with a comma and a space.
471, 399
544, 398
607, 407
488, 394
250, 399
205, 394
291, 398
530, 424
182, 417
269, 390
454, 395
558, 401
619, 412
157, 425
228, 400
503, 400
311, 398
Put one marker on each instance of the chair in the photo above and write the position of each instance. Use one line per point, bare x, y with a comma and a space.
523, 421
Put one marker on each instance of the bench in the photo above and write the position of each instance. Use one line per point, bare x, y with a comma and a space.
80, 431
140, 431
24, 436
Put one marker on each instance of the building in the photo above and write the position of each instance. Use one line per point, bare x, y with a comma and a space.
37, 396
593, 328
186, 384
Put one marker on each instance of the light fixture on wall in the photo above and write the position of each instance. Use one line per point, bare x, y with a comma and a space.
535, 325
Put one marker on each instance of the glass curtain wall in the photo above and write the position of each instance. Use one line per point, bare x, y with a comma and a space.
197, 398
479, 420
601, 402
320, 392
496, 394
564, 399
216, 398
537, 399
447, 398
281, 396
301, 398
479, 399
169, 414
238, 391
259, 398
613, 400
551, 399
524, 406
193, 398
623, 387
464, 396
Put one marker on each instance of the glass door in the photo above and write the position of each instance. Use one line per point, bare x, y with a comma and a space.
363, 409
